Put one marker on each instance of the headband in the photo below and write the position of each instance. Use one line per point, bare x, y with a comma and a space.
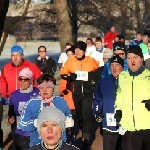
47, 83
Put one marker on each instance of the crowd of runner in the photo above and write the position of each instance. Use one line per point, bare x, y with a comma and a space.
104, 77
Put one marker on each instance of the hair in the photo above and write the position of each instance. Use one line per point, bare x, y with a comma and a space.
148, 40
144, 36
139, 33
46, 77
41, 47
98, 39
90, 39
72, 49
68, 44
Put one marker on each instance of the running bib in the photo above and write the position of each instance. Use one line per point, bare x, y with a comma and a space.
121, 130
111, 121
82, 75
20, 106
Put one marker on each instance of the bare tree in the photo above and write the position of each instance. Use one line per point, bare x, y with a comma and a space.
64, 23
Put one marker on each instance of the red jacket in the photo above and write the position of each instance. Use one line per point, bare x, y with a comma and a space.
109, 37
10, 75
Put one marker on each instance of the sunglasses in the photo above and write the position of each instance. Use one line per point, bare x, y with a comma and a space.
21, 79
41, 51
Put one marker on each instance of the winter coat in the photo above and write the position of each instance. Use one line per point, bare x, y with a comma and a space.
109, 37
104, 100
64, 146
31, 111
132, 90
144, 48
88, 64
134, 43
10, 74
46, 65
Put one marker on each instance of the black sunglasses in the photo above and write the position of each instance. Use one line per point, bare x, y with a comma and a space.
21, 79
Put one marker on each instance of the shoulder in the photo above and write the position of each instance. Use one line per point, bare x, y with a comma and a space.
69, 147
29, 64
124, 74
15, 93
7, 66
59, 98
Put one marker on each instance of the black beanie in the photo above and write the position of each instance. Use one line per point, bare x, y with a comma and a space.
119, 46
135, 50
82, 45
117, 59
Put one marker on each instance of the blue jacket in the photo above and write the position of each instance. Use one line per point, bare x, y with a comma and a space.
134, 43
105, 96
107, 71
30, 113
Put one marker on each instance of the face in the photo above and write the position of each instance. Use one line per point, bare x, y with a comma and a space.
112, 29
16, 58
42, 52
139, 37
148, 46
70, 54
98, 45
120, 53
50, 133
105, 60
79, 53
134, 62
24, 82
89, 43
46, 91
67, 47
116, 39
115, 68
145, 40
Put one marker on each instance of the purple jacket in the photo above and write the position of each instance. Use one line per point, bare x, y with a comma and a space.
16, 104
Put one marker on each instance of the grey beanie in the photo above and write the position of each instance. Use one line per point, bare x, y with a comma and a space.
50, 113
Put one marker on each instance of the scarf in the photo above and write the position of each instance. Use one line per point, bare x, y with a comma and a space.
28, 90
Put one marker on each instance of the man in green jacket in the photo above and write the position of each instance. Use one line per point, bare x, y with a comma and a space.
133, 102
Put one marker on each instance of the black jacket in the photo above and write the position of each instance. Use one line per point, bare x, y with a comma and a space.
46, 65
63, 147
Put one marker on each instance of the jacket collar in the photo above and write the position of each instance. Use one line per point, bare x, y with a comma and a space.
137, 72
39, 58
19, 64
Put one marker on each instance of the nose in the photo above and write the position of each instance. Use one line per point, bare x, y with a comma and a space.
49, 129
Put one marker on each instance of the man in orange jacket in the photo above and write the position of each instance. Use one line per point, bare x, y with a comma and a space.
80, 71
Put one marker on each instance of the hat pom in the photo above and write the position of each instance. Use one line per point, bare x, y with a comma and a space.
69, 122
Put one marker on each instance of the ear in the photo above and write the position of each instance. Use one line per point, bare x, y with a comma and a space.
35, 123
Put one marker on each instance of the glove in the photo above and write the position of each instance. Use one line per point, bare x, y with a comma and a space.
147, 104
5, 101
118, 116
73, 76
98, 117
65, 92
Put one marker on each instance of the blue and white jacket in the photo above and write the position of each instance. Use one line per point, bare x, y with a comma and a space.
31, 111
104, 100
135, 42
107, 71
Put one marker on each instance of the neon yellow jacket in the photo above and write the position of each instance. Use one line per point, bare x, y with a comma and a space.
130, 94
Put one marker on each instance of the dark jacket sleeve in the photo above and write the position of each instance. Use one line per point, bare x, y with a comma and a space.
54, 66
11, 111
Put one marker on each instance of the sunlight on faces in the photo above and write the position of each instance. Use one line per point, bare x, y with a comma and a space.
24, 82
46, 91
89, 43
67, 47
50, 133
42, 52
121, 53
112, 29
116, 68
79, 53
116, 39
134, 62
139, 37
98, 45
16, 58
70, 54
145, 40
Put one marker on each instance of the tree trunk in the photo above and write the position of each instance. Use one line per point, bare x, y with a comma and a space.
4, 4
64, 23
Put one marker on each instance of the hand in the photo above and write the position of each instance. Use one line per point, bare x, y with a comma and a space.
118, 116
73, 76
65, 92
147, 104
5, 101
11, 120
98, 117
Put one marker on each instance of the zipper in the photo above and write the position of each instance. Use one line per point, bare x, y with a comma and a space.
16, 78
82, 81
132, 103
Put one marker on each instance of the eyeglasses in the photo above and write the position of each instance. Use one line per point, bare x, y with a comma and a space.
25, 80
119, 54
42, 51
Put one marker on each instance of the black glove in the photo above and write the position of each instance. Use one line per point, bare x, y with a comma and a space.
65, 92
72, 77
118, 116
98, 117
147, 104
